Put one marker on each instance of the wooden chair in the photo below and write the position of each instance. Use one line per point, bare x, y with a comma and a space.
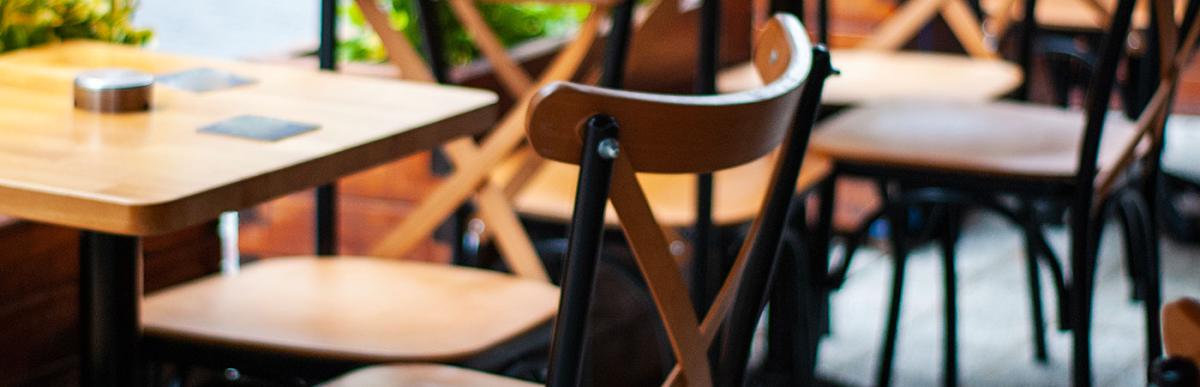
1095, 162
315, 317
612, 135
877, 69
1181, 345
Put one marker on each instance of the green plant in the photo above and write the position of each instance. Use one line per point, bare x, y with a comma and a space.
513, 23
25, 23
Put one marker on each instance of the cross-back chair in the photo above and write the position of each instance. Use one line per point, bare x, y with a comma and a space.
315, 317
1094, 162
1181, 345
878, 69
612, 135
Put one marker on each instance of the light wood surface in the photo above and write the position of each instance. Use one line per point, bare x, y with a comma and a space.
423, 375
872, 75
1000, 138
1082, 15
150, 173
1181, 329
681, 134
550, 195
352, 308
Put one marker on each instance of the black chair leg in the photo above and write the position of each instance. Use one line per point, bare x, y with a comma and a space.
1135, 247
1151, 275
950, 304
1035, 288
1085, 234
897, 223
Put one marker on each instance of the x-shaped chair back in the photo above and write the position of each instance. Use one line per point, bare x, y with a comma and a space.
1176, 46
474, 162
912, 15
615, 134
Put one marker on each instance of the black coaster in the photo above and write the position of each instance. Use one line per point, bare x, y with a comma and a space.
202, 79
259, 128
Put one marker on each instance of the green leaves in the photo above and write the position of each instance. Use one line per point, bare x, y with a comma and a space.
26, 23
513, 23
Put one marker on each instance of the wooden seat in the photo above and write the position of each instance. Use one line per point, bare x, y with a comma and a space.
997, 139
424, 375
737, 192
877, 69
354, 309
873, 75
1077, 15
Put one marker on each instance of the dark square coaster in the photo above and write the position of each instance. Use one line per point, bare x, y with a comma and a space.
259, 128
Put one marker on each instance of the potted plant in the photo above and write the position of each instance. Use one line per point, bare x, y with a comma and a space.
27, 23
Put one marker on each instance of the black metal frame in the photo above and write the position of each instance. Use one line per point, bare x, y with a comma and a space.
326, 195
708, 270
586, 236
762, 260
110, 296
583, 252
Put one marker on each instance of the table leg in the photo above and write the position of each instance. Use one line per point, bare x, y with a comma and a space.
326, 219
110, 292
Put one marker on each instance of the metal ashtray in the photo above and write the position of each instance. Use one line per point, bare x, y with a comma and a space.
113, 90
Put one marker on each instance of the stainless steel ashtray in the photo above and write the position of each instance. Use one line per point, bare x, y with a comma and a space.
113, 90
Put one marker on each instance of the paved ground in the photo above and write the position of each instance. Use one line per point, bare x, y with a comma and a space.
994, 322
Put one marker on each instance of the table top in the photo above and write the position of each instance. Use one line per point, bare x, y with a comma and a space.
152, 172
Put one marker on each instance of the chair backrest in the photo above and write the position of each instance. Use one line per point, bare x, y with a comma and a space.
614, 134
1176, 44
474, 162
913, 15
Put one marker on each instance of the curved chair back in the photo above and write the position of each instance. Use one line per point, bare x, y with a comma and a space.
614, 134
1176, 45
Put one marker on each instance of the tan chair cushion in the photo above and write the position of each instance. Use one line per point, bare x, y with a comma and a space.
999, 138
353, 308
871, 75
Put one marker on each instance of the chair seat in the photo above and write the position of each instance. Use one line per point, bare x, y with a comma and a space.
869, 75
353, 309
737, 192
423, 375
994, 139
1076, 15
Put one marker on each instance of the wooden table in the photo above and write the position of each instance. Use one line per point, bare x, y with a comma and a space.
119, 177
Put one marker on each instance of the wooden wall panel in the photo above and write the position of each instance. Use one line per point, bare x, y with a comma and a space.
39, 293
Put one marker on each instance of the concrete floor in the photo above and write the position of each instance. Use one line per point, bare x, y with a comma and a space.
995, 348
